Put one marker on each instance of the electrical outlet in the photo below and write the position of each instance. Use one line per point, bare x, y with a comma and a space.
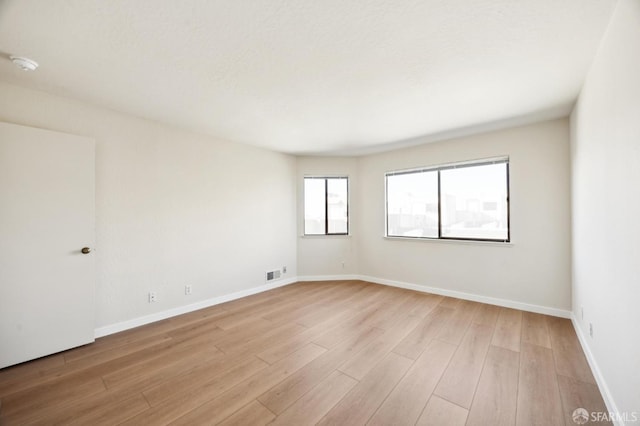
343, 264
187, 290
590, 329
582, 311
152, 297
284, 269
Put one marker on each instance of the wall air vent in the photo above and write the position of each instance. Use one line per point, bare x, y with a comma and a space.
273, 275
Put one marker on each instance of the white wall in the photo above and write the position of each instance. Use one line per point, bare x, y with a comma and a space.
606, 208
172, 207
534, 269
327, 255
176, 208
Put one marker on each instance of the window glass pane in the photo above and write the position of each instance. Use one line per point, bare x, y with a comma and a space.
412, 205
474, 202
314, 209
337, 205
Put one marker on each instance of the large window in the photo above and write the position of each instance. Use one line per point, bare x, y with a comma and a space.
326, 205
466, 201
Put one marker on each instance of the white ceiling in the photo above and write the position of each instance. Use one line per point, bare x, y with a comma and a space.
311, 76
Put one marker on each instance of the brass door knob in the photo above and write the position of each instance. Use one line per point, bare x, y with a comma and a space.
86, 250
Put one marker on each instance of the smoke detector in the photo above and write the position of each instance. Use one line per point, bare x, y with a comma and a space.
25, 64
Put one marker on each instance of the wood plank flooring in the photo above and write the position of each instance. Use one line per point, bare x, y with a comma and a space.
329, 353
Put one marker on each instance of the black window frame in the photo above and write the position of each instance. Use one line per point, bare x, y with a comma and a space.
326, 206
438, 169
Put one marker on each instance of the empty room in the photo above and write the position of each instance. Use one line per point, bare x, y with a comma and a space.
305, 212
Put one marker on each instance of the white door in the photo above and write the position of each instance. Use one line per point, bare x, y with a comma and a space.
47, 216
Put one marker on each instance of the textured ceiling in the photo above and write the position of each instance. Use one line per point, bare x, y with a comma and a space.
310, 76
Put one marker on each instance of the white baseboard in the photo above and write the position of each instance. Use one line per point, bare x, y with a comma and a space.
147, 319
473, 297
328, 277
562, 313
602, 384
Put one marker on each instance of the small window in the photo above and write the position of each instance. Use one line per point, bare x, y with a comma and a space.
466, 201
326, 206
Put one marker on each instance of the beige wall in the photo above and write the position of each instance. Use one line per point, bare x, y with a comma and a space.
534, 269
327, 255
176, 208
605, 162
172, 207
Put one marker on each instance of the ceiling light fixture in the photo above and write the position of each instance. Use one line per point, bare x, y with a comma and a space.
25, 64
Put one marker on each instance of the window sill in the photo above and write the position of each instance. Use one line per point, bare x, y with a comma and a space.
325, 236
446, 241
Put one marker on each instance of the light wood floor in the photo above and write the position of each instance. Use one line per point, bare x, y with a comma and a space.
345, 353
